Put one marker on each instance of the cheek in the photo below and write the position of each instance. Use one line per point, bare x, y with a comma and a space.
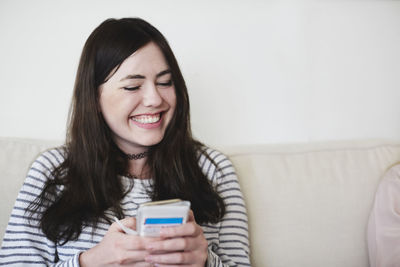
170, 97
112, 107
106, 105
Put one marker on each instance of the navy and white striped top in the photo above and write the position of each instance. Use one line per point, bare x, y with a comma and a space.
25, 244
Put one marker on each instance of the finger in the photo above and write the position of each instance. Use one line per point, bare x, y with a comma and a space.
190, 216
174, 244
130, 257
133, 242
187, 229
172, 258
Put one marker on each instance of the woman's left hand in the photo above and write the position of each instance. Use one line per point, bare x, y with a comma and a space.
183, 245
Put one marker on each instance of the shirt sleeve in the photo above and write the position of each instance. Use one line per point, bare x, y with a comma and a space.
24, 244
233, 238
384, 222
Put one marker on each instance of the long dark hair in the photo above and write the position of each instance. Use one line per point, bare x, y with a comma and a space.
89, 173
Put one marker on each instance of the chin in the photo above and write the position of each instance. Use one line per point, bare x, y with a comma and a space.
151, 142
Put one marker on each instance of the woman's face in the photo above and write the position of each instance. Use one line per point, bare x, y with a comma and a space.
138, 100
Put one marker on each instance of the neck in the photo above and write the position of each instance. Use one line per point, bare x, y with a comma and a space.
138, 168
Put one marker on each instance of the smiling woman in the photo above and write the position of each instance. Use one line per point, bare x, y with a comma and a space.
129, 142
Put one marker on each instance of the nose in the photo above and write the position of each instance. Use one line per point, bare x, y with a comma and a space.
151, 96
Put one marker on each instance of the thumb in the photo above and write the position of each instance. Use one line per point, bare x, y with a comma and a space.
191, 216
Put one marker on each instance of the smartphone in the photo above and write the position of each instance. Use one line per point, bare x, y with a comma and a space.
152, 216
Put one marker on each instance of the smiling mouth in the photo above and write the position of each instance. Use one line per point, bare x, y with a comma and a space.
147, 119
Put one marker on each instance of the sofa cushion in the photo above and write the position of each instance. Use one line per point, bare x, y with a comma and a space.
308, 204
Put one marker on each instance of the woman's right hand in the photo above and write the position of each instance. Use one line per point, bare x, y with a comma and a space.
117, 248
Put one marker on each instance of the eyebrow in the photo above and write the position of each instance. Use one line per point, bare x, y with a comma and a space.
163, 73
138, 76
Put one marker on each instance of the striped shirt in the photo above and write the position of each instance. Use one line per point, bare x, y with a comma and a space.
25, 244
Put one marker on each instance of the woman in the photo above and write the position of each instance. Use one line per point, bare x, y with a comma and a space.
128, 142
384, 222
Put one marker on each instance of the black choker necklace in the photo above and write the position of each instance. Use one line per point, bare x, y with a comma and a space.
137, 156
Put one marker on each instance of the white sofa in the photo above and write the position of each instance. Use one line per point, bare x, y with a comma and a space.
308, 204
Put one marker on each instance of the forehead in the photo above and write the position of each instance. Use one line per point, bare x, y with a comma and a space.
147, 61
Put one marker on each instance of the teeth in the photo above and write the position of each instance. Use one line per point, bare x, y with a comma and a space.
147, 118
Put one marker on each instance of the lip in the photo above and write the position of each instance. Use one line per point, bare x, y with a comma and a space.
148, 125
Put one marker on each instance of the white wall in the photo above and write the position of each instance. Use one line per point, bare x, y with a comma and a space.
257, 72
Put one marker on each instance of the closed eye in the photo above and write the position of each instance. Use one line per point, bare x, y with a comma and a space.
168, 83
132, 88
